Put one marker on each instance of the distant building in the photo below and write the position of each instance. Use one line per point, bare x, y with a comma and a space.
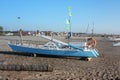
9, 34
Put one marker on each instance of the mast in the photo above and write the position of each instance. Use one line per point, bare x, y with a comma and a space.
20, 30
70, 26
93, 30
70, 15
87, 29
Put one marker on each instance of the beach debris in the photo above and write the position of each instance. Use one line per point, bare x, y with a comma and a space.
27, 67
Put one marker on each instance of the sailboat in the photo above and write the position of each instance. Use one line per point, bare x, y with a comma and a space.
115, 40
56, 47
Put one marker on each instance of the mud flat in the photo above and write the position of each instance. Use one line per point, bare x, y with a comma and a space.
105, 67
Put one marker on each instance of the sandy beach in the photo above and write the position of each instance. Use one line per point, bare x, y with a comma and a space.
105, 67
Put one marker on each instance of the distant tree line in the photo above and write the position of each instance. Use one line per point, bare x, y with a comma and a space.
1, 30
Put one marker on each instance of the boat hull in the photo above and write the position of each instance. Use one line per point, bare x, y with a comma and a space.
67, 53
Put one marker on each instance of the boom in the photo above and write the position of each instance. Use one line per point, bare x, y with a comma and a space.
54, 40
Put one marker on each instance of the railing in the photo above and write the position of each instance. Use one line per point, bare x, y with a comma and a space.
26, 43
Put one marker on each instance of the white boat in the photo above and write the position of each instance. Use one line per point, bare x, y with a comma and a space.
114, 38
116, 44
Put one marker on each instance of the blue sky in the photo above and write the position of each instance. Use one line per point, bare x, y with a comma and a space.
51, 15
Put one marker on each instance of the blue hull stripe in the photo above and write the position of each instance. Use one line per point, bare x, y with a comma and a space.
68, 53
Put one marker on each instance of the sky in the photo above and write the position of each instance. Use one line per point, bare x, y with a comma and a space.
51, 15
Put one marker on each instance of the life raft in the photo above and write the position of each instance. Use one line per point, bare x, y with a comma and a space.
91, 43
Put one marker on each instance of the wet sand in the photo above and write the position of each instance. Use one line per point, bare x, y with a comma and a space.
105, 67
